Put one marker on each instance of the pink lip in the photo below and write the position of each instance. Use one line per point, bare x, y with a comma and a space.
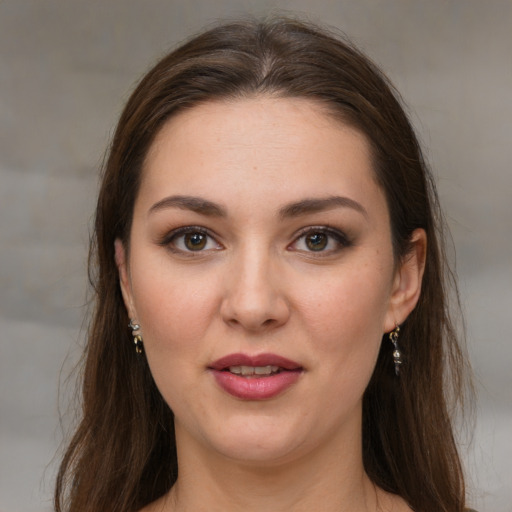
257, 387
258, 360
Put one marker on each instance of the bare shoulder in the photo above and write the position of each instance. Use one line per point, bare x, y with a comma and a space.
401, 506
388, 501
398, 504
160, 505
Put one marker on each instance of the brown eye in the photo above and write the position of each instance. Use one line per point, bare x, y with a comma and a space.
316, 241
326, 241
195, 241
190, 239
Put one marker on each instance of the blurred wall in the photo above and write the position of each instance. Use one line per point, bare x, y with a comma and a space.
67, 66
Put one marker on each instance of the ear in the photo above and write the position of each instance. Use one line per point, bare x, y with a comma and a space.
124, 277
407, 281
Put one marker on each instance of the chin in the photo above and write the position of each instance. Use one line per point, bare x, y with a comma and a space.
260, 452
255, 441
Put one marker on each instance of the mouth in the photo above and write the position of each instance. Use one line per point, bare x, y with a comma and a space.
258, 377
254, 371
259, 365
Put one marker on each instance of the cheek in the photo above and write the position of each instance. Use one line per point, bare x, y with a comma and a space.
345, 315
351, 300
348, 327
173, 310
175, 314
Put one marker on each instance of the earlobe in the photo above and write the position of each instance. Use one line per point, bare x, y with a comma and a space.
124, 278
407, 281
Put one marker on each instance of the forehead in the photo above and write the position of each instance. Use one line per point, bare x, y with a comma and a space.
257, 147
260, 119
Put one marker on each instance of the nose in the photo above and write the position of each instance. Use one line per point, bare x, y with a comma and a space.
254, 298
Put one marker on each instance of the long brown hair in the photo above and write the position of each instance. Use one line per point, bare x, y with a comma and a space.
123, 454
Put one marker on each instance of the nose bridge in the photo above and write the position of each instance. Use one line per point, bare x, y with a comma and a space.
253, 297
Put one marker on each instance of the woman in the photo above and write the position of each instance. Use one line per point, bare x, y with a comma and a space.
269, 231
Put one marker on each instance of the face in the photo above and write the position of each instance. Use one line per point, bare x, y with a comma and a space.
262, 275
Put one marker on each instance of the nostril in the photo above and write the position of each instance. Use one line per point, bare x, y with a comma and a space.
254, 305
253, 323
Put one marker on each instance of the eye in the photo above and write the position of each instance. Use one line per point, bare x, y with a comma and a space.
190, 239
316, 241
320, 240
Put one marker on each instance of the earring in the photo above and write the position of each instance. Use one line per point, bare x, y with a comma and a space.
397, 355
137, 336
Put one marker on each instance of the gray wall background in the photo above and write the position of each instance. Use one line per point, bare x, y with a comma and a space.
67, 66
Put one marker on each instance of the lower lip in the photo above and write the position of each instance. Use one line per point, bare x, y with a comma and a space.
256, 387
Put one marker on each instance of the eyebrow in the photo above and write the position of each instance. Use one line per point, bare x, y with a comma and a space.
314, 205
193, 203
303, 207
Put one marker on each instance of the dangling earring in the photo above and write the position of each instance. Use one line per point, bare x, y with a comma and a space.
137, 336
397, 355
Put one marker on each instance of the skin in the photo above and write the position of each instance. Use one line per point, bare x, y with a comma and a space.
256, 286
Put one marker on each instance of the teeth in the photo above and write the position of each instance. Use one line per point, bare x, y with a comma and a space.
253, 370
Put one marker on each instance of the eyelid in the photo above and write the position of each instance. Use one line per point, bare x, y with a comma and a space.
168, 238
339, 236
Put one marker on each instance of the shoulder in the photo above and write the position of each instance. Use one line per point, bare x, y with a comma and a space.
159, 505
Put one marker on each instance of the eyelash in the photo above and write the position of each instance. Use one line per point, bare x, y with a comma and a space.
170, 239
340, 239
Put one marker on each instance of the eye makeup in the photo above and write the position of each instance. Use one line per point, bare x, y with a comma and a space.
320, 240
190, 240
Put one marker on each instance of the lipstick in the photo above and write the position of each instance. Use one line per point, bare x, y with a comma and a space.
259, 377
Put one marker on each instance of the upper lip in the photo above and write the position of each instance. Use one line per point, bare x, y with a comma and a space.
256, 360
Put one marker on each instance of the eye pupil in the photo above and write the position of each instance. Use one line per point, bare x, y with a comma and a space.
317, 241
195, 241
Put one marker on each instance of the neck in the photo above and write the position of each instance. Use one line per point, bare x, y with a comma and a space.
333, 475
